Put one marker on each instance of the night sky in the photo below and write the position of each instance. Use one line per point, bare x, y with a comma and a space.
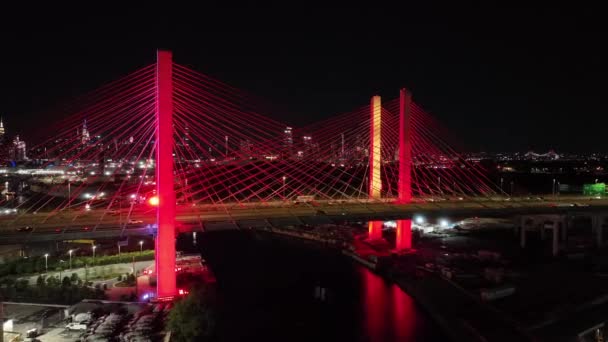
501, 79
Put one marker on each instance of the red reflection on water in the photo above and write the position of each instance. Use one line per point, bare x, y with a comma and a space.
404, 314
404, 234
375, 230
375, 303
390, 314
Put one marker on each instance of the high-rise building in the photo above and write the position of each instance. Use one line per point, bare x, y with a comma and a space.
307, 150
287, 142
85, 133
1, 129
17, 151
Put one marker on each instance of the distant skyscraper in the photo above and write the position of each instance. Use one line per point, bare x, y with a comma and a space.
287, 142
2, 136
308, 152
85, 133
17, 151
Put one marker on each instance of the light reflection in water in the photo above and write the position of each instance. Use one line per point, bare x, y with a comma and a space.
389, 312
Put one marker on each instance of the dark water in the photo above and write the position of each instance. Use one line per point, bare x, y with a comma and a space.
271, 290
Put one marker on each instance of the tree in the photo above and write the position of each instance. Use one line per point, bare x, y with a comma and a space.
40, 282
192, 319
66, 282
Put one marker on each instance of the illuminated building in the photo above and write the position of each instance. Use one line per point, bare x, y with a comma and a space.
288, 142
307, 152
17, 150
1, 130
85, 133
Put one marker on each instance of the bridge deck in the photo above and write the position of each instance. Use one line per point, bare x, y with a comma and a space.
100, 224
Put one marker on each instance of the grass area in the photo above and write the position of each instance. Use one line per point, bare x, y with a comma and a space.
23, 267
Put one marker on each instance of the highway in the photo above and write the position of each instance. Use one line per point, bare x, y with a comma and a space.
99, 223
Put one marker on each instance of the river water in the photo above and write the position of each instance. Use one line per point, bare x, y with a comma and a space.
271, 289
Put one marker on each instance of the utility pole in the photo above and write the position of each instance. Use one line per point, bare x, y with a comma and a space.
1, 321
342, 151
226, 147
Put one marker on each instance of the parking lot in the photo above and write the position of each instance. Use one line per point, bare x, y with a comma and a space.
91, 321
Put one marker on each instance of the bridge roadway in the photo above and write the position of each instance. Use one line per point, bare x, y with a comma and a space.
95, 224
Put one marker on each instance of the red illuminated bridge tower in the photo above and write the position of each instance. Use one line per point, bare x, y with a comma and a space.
165, 212
404, 187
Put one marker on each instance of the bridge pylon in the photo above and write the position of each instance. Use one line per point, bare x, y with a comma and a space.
375, 162
165, 211
404, 186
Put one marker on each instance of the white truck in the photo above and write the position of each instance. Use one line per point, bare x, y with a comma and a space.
76, 326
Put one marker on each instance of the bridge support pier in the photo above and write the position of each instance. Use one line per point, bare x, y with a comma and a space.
542, 234
165, 212
403, 240
555, 244
522, 238
540, 223
598, 226
375, 230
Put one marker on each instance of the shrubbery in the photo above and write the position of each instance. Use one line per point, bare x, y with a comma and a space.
69, 290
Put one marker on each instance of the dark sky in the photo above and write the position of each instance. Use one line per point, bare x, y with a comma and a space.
499, 78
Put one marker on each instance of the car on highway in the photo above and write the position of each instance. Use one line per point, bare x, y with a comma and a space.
25, 229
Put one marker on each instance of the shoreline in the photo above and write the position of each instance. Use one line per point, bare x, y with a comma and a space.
455, 313
406, 287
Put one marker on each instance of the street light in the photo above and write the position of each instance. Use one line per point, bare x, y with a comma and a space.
284, 179
70, 252
553, 190
501, 184
419, 219
46, 263
61, 268
439, 184
141, 244
94, 247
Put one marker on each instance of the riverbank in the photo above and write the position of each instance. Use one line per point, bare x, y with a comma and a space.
460, 316
276, 288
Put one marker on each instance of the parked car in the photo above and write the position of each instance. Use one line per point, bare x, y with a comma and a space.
25, 229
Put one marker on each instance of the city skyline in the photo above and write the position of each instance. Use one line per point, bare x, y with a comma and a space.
495, 82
